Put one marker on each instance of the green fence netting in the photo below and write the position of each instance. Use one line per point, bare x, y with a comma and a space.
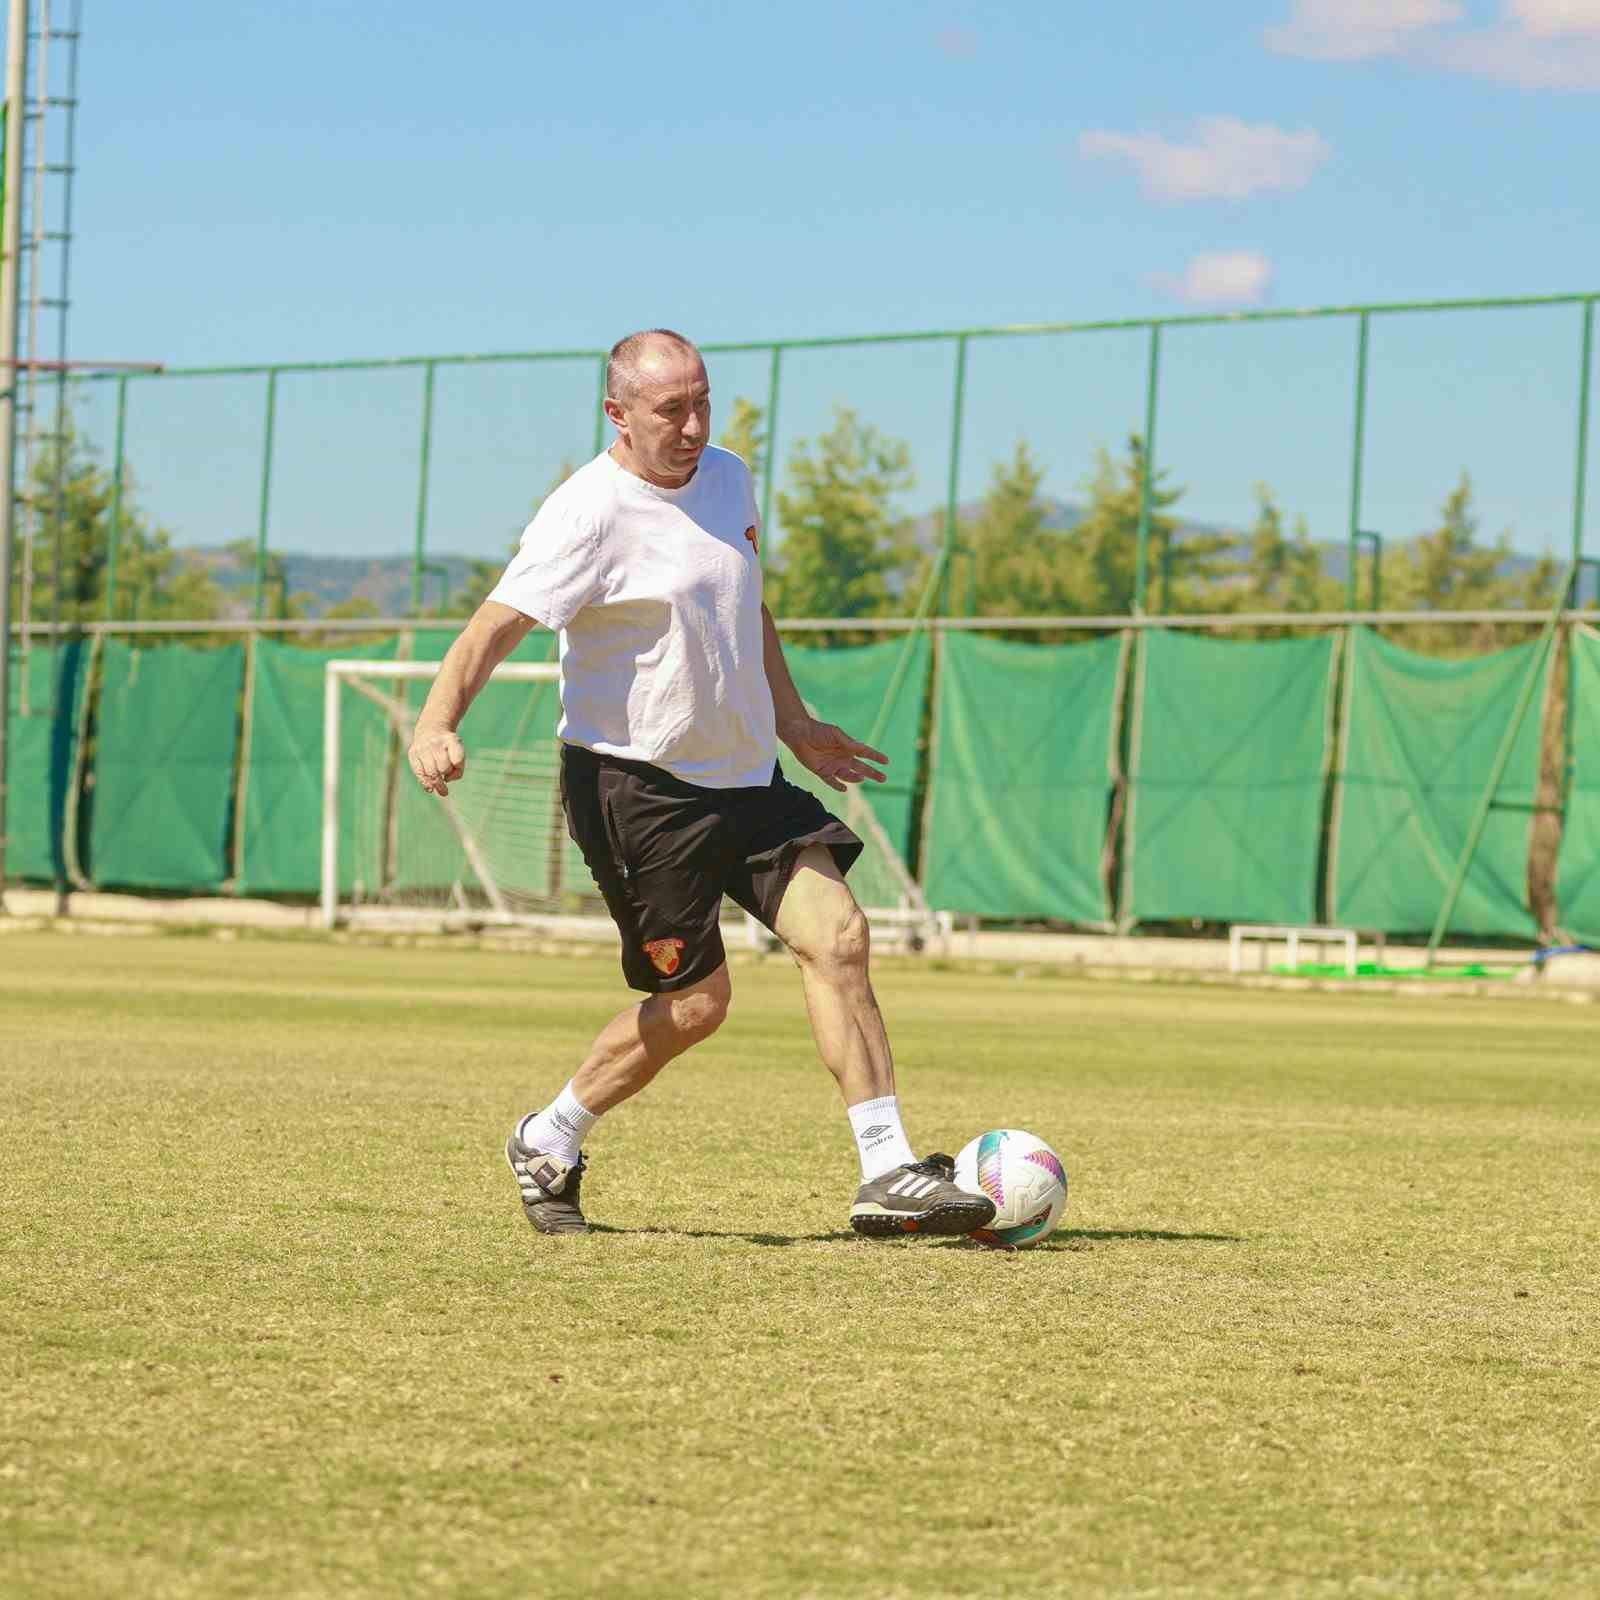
168, 730
1419, 742
1578, 871
42, 755
1228, 764
1021, 768
849, 687
280, 801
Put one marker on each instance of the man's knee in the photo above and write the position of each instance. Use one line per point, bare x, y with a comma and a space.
840, 940
698, 1012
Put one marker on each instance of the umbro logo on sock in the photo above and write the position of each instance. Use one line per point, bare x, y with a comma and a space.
877, 1129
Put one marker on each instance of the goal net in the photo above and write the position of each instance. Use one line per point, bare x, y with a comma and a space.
495, 850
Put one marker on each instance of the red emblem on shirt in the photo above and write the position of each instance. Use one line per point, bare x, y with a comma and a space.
750, 534
665, 955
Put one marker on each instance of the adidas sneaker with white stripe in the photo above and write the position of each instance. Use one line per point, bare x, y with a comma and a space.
920, 1197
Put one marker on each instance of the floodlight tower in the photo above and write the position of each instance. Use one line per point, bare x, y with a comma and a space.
39, 166
10, 260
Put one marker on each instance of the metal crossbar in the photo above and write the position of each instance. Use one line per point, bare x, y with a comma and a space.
959, 339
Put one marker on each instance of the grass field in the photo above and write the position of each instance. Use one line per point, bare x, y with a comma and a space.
1322, 1318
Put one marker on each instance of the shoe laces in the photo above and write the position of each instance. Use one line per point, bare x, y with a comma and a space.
938, 1165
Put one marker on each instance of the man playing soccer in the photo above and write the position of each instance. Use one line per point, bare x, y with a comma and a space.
674, 694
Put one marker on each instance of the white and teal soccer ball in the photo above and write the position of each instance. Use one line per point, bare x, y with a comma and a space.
1023, 1176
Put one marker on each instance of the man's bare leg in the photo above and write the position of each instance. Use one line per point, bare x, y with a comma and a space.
544, 1153
637, 1043
826, 932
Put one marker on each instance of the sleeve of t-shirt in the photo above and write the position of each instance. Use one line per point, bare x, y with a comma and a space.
556, 570
752, 511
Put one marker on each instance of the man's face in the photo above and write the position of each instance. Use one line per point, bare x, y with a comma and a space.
666, 421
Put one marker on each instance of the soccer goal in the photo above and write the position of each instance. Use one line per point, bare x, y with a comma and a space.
495, 850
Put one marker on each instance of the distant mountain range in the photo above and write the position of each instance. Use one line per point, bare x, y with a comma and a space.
324, 581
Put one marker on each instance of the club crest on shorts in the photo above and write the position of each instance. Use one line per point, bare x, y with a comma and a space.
750, 534
666, 955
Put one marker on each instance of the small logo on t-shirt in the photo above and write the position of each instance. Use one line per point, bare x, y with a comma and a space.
665, 955
750, 534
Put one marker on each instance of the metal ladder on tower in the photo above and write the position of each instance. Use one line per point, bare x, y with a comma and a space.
49, 162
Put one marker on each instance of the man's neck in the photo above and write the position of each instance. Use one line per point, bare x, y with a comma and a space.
624, 458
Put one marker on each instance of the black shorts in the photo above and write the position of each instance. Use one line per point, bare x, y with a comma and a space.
664, 852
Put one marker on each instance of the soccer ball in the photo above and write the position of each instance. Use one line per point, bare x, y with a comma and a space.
1023, 1176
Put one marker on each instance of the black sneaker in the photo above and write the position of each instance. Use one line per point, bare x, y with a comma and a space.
549, 1188
920, 1197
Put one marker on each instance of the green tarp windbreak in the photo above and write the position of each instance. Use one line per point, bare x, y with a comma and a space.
167, 736
1578, 879
1419, 743
280, 840
1021, 770
848, 687
40, 767
1227, 769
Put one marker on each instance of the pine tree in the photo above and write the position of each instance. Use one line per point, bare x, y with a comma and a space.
1280, 573
1021, 566
744, 435
1447, 570
153, 582
845, 552
1104, 545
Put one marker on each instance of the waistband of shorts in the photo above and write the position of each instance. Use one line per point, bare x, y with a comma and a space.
584, 756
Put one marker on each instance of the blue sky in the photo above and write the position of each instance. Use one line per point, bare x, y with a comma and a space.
300, 181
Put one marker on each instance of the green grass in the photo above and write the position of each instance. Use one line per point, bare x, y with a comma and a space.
1321, 1320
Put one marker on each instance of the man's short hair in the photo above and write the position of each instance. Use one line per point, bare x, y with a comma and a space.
622, 365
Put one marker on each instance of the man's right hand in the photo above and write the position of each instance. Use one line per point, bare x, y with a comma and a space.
437, 759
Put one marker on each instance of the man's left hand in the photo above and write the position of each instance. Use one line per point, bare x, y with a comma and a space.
831, 753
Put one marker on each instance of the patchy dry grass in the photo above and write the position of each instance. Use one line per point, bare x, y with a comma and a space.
1322, 1320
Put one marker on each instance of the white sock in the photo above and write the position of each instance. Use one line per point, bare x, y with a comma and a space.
560, 1128
880, 1140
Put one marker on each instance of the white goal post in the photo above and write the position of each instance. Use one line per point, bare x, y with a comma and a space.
495, 851
400, 721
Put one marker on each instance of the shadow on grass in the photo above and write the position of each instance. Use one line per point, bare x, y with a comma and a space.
714, 1233
1088, 1238
1063, 1239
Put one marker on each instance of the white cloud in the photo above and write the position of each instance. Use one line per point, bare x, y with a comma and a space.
1357, 30
1554, 19
1507, 54
1221, 278
1229, 160
1537, 44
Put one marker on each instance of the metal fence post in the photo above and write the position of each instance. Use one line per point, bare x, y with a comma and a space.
953, 487
1580, 489
266, 494
1141, 569
770, 469
1357, 455
600, 409
424, 459
114, 532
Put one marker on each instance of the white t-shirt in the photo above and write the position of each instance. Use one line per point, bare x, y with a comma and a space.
657, 596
